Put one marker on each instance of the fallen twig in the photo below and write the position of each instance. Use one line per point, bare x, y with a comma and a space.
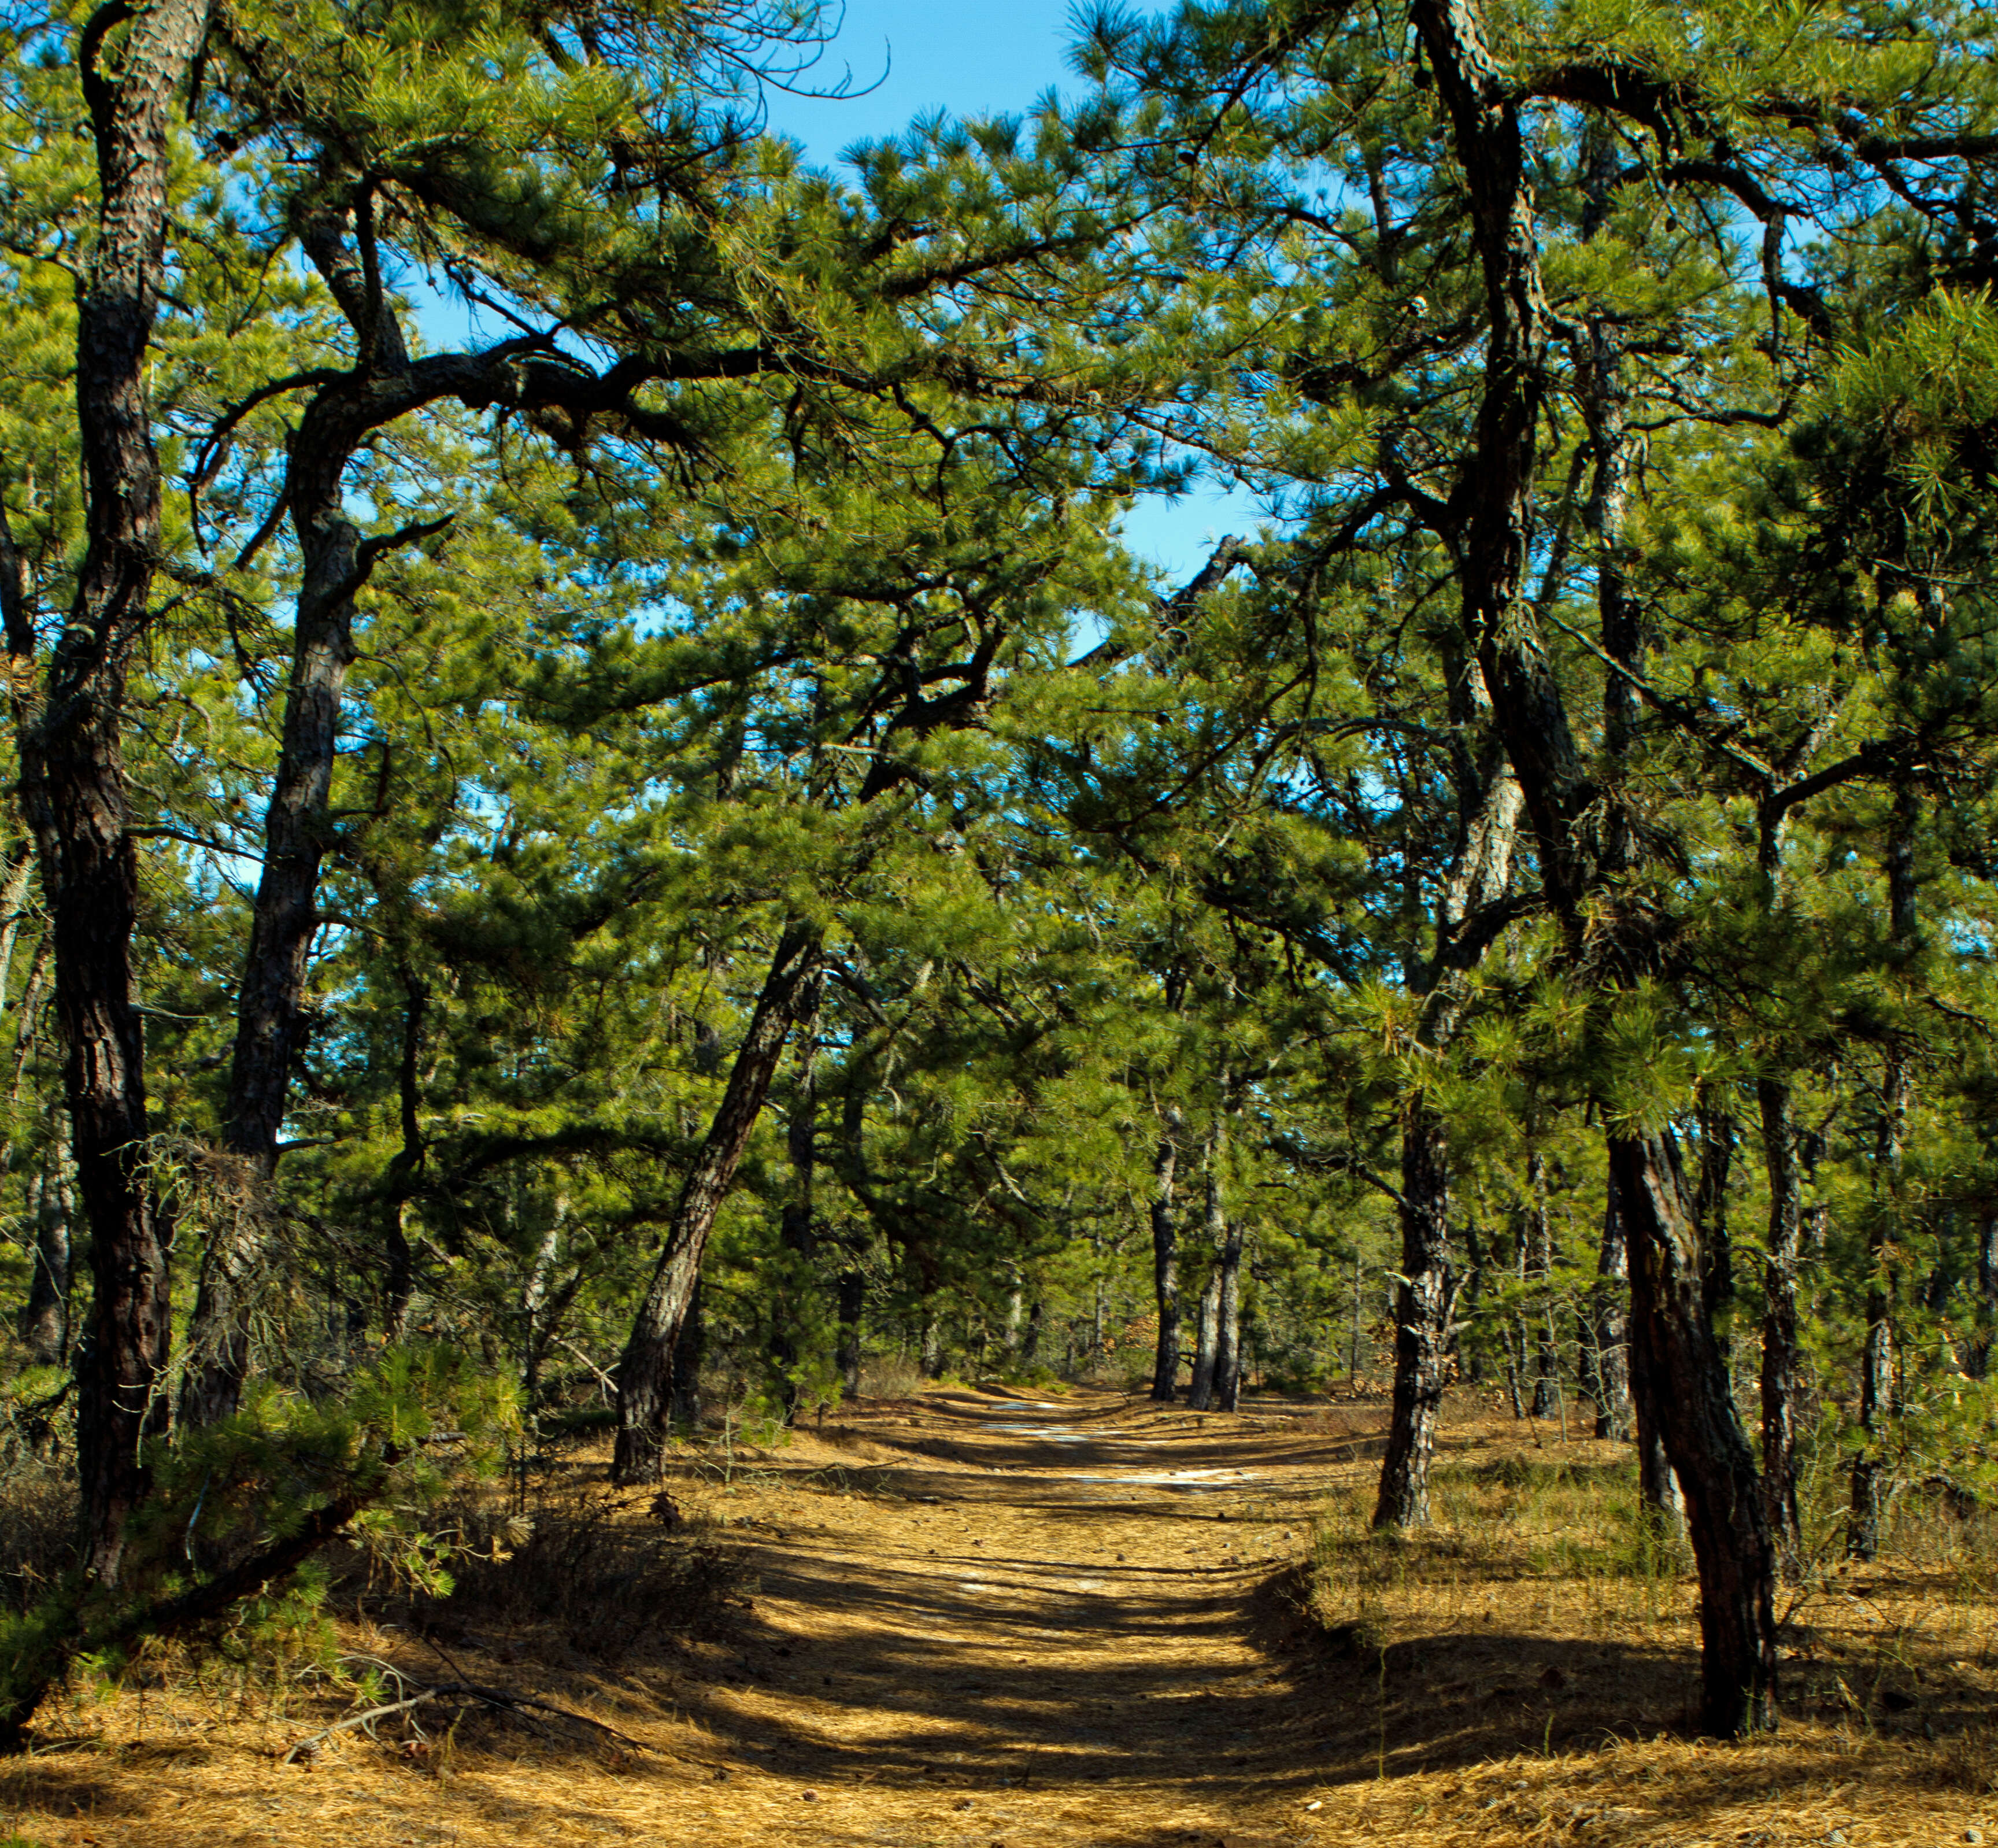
495, 1697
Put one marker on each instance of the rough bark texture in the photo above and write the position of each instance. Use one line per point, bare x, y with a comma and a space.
1607, 929
1781, 1355
1166, 1257
1423, 1303
645, 1372
1674, 1352
73, 779
689, 1347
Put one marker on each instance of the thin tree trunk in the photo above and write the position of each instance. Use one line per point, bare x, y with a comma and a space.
73, 778
270, 1012
689, 1349
1615, 1416
1536, 1243
1207, 1338
932, 1343
1979, 1366
45, 1323
1781, 1355
1876, 1360
1686, 1386
852, 1289
1166, 1257
644, 1371
1673, 1344
1422, 1303
1227, 1333
797, 1236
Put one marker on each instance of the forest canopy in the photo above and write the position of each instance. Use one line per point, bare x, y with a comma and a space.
599, 812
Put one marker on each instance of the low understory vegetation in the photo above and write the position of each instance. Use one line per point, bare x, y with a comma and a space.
1547, 1613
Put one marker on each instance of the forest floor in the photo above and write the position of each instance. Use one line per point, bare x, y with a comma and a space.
1008, 1620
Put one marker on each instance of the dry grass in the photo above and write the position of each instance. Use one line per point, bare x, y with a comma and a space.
919, 1628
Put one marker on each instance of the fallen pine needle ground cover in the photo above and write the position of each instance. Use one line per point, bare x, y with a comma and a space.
999, 1619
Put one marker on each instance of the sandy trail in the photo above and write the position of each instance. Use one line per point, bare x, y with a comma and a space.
1039, 1628
977, 1619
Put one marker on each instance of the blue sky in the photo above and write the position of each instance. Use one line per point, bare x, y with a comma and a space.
978, 57
982, 58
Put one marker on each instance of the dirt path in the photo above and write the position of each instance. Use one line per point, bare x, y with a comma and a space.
975, 1619
1040, 1626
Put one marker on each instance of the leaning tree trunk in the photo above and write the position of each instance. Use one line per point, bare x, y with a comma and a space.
689, 1349
73, 778
644, 1371
284, 918
1686, 1377
1166, 1257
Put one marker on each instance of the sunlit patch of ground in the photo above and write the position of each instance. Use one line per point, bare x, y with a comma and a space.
976, 1618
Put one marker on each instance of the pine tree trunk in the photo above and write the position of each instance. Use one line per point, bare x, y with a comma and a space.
1781, 1355
1423, 1303
851, 1302
689, 1349
932, 1345
1876, 1359
72, 768
1979, 1366
645, 1372
1536, 1243
1687, 1387
1166, 1257
270, 1012
45, 1322
1227, 1331
1207, 1339
1614, 1414
797, 1232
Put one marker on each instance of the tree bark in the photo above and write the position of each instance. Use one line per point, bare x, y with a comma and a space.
1536, 1243
1686, 1380
1227, 1333
1611, 1322
45, 1322
1166, 1257
1207, 1339
1423, 1299
689, 1349
73, 778
796, 1234
644, 1371
270, 1010
1782, 1354
1979, 1366
1673, 1344
1876, 1359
